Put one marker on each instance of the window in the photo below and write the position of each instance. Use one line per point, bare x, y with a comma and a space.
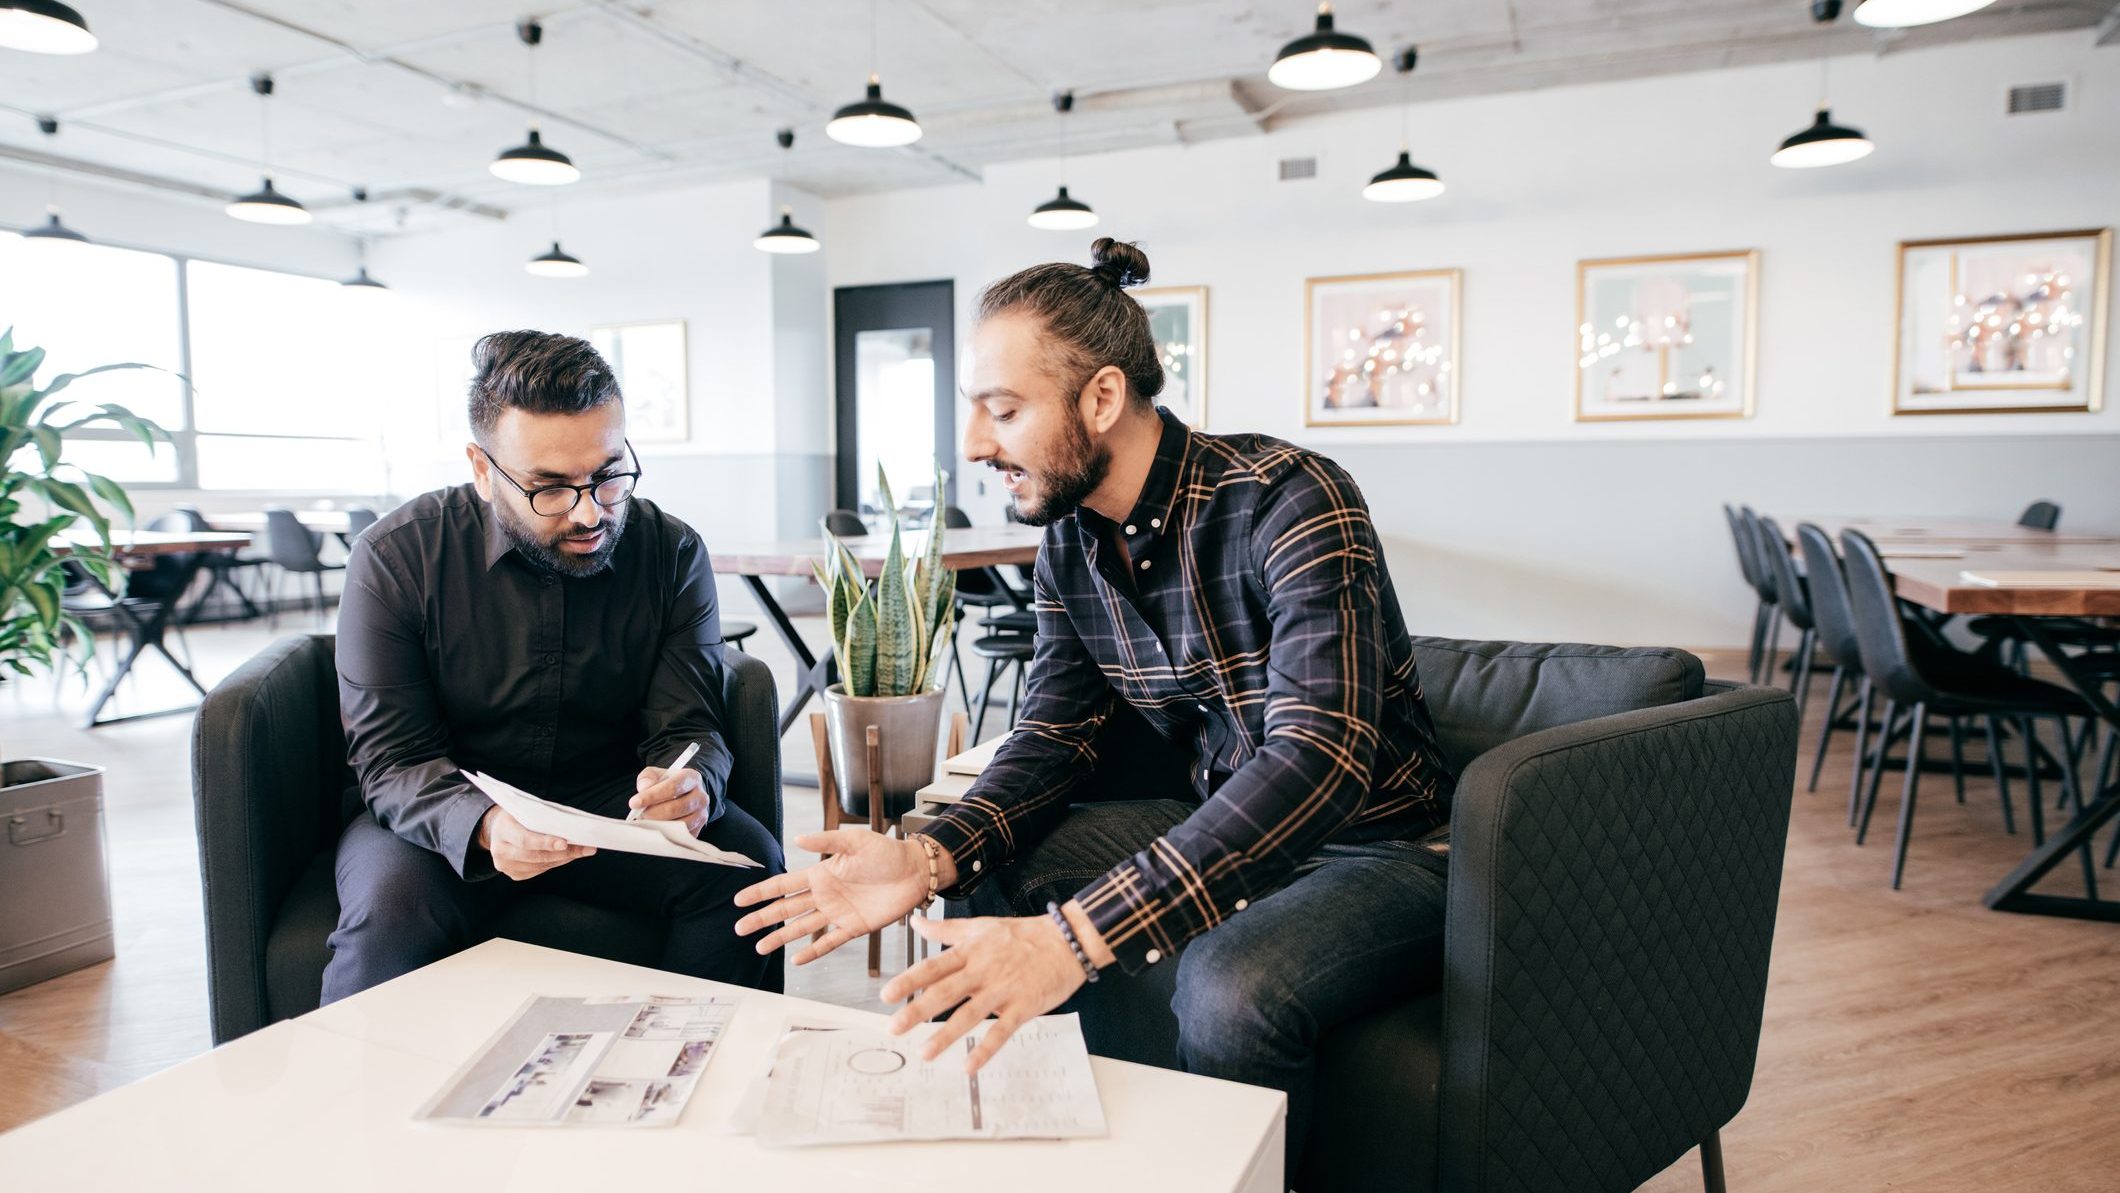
90, 304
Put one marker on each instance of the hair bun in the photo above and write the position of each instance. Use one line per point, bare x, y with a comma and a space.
1120, 263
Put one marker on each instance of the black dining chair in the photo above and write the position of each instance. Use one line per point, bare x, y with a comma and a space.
845, 524
1795, 606
294, 550
224, 567
1927, 681
358, 519
2040, 515
1769, 636
1748, 567
987, 590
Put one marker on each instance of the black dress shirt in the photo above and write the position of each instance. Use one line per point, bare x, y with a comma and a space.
457, 653
1250, 618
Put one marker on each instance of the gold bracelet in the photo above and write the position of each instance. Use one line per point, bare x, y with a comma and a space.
933, 851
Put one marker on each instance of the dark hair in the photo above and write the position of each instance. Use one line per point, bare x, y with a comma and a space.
1088, 315
536, 371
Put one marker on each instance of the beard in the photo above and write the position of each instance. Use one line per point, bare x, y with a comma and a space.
543, 548
1078, 468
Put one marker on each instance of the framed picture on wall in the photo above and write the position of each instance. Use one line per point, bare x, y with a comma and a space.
1666, 337
1381, 349
2001, 324
1177, 318
649, 361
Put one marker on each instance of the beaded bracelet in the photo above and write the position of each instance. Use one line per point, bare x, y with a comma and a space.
933, 851
1089, 969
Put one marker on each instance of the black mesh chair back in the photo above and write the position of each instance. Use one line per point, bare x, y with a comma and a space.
288, 543
194, 521
2040, 515
1795, 602
1827, 592
358, 519
1887, 652
1747, 562
844, 524
159, 582
979, 586
1762, 571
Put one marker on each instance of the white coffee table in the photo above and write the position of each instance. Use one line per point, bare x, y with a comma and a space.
326, 1102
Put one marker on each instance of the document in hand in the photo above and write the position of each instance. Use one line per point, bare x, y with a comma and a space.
662, 838
864, 1085
624, 1061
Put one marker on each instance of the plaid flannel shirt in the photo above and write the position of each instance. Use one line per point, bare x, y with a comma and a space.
1250, 617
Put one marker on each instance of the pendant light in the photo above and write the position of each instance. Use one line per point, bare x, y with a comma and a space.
873, 122
1402, 181
557, 262
360, 283
1824, 143
533, 163
785, 237
54, 230
267, 205
1324, 60
1062, 213
1900, 14
44, 27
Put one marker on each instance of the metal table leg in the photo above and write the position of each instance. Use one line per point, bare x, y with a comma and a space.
812, 673
144, 634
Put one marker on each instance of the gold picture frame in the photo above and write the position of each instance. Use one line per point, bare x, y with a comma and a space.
1191, 367
1934, 383
1663, 402
1434, 380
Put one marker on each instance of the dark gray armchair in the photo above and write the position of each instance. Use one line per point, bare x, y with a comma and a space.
273, 792
1616, 853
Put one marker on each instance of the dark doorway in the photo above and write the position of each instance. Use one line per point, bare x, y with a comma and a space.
894, 351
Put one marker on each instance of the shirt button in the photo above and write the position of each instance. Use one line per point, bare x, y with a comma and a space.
977, 866
1154, 955
1159, 648
1144, 564
1203, 710
1129, 528
1243, 903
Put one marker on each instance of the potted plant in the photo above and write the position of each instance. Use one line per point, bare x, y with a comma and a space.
891, 638
54, 881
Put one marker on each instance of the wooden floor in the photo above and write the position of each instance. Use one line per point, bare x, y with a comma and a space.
1913, 1039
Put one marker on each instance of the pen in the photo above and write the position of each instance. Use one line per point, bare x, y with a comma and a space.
683, 758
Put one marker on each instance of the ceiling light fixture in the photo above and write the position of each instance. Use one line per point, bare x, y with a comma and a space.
1403, 182
267, 205
1324, 59
44, 27
785, 237
1063, 213
54, 230
873, 122
1900, 14
533, 163
1824, 143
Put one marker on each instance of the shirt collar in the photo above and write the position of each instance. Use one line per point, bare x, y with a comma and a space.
497, 542
1151, 512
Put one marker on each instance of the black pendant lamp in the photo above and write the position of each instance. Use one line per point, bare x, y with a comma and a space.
54, 230
44, 27
1824, 143
873, 122
533, 163
785, 237
1063, 212
266, 205
1324, 59
1902, 14
1402, 181
556, 263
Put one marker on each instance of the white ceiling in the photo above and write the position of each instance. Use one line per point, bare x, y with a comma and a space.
411, 98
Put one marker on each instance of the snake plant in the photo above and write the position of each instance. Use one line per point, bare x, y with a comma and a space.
891, 635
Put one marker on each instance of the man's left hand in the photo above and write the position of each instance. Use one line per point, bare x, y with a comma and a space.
1014, 968
671, 795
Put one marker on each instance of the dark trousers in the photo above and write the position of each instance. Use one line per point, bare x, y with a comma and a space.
1354, 929
402, 906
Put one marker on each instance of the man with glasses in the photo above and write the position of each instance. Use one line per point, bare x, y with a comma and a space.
544, 625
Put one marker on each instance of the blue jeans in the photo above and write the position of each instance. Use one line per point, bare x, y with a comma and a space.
1354, 929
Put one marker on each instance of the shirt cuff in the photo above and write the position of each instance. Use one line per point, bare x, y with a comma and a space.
968, 833
1145, 917
459, 835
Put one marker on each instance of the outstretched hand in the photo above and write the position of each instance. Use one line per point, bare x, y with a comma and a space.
867, 880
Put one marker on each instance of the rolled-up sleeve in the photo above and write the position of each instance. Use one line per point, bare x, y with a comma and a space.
397, 739
1315, 550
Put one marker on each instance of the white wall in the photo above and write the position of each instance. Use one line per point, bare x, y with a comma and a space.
1538, 181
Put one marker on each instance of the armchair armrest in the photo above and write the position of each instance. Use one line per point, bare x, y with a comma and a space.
1612, 896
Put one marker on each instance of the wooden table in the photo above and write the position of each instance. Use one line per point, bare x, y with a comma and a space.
1941, 584
137, 550
326, 1102
972, 547
1888, 531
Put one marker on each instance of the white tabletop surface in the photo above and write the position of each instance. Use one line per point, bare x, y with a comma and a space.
326, 1102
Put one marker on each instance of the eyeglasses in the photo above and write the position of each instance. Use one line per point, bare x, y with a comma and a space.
551, 501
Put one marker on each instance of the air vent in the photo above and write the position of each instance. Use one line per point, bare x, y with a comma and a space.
2038, 97
1293, 168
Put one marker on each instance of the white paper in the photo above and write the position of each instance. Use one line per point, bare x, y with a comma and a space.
863, 1085
662, 838
629, 1061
